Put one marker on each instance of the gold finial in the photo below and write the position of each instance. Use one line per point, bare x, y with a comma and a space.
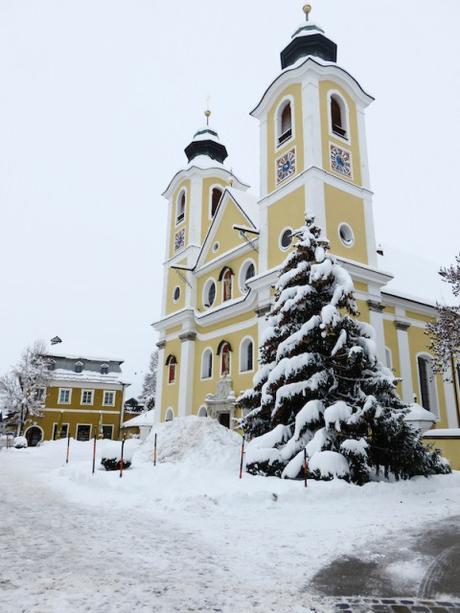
307, 10
207, 114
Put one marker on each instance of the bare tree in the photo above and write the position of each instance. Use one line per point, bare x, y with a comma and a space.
22, 391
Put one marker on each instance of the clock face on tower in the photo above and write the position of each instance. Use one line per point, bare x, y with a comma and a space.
285, 166
340, 160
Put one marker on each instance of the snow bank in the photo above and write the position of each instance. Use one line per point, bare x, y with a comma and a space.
196, 440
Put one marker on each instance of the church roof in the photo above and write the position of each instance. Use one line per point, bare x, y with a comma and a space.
206, 143
247, 202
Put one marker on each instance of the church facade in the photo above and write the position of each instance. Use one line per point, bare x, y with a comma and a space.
225, 246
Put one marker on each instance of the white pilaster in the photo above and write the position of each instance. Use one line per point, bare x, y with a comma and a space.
263, 158
376, 321
451, 408
315, 200
404, 360
195, 210
187, 354
365, 178
311, 113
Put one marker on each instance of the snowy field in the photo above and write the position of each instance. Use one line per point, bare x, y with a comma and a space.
188, 534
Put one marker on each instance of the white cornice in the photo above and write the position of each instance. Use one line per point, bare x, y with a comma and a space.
409, 303
298, 73
192, 171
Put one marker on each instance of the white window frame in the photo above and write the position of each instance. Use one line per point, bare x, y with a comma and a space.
168, 365
205, 351
169, 411
221, 188
43, 398
228, 270
174, 291
35, 426
178, 200
345, 115
280, 244
242, 344
242, 275
277, 119
388, 358
67, 389
432, 385
55, 427
90, 431
87, 404
205, 292
114, 394
342, 242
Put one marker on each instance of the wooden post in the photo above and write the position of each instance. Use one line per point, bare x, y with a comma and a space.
242, 457
155, 449
121, 458
94, 454
68, 445
305, 466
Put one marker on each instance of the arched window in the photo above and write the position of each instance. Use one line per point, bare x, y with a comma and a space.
227, 285
206, 364
248, 271
247, 355
284, 123
202, 412
216, 195
180, 208
338, 116
171, 364
224, 351
169, 415
427, 383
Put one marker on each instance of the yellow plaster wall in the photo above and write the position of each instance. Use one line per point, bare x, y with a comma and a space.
289, 211
174, 280
273, 151
363, 311
360, 286
206, 202
185, 184
241, 381
225, 234
343, 207
418, 343
236, 265
450, 449
353, 144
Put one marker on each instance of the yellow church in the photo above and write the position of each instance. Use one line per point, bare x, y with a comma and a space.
225, 245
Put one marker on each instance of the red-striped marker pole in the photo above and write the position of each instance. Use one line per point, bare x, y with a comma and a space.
305, 466
242, 458
121, 457
68, 446
94, 454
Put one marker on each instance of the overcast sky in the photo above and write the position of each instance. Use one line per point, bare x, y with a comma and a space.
99, 98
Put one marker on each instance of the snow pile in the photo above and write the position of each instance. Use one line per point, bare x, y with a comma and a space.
196, 440
20, 442
329, 464
112, 449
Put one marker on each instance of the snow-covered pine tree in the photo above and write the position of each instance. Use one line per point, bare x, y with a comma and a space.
150, 383
320, 385
445, 331
21, 390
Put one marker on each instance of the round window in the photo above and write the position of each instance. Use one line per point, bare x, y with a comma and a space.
249, 271
210, 294
176, 294
286, 238
215, 247
346, 234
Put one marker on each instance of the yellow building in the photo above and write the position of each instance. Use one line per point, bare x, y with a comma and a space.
84, 397
225, 245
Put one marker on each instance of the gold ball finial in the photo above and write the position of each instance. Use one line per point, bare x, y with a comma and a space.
207, 114
307, 10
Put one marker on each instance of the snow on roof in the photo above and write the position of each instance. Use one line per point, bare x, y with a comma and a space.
418, 413
80, 356
206, 133
415, 278
205, 163
248, 202
307, 29
145, 419
86, 376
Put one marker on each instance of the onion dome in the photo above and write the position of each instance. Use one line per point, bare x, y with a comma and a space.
308, 39
206, 142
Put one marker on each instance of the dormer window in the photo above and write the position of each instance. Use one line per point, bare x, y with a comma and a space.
79, 367
180, 208
284, 123
338, 116
51, 365
216, 195
104, 369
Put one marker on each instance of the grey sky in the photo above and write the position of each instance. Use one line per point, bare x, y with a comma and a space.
99, 98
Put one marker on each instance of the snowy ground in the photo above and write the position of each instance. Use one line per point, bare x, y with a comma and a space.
188, 535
